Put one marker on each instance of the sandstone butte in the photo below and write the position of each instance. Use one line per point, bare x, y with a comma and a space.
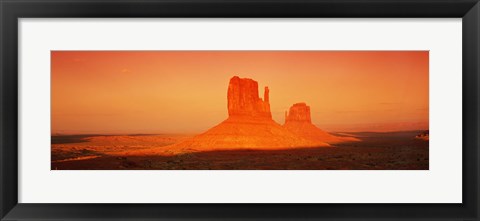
250, 125
298, 121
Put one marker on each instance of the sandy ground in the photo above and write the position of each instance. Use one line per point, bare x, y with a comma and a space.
376, 151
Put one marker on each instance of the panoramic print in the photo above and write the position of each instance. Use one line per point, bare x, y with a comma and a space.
239, 110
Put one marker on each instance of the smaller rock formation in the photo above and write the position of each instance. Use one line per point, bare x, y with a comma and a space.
299, 112
298, 121
423, 136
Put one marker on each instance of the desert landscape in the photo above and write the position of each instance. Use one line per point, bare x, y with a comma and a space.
377, 151
248, 139
113, 119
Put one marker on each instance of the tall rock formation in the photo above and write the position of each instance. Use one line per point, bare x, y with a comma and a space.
298, 121
243, 99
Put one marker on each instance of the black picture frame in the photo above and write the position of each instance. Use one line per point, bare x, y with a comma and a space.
12, 10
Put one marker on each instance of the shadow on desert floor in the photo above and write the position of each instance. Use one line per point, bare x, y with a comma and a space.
376, 151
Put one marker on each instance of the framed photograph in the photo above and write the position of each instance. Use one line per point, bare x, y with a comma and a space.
228, 110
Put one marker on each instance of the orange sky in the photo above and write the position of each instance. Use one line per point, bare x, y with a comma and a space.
186, 91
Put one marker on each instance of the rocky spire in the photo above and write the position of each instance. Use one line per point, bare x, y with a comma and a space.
266, 96
243, 99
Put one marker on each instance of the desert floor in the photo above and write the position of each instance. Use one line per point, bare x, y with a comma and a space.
376, 151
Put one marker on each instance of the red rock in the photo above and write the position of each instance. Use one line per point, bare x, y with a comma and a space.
299, 112
235, 134
243, 99
423, 136
249, 125
298, 121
